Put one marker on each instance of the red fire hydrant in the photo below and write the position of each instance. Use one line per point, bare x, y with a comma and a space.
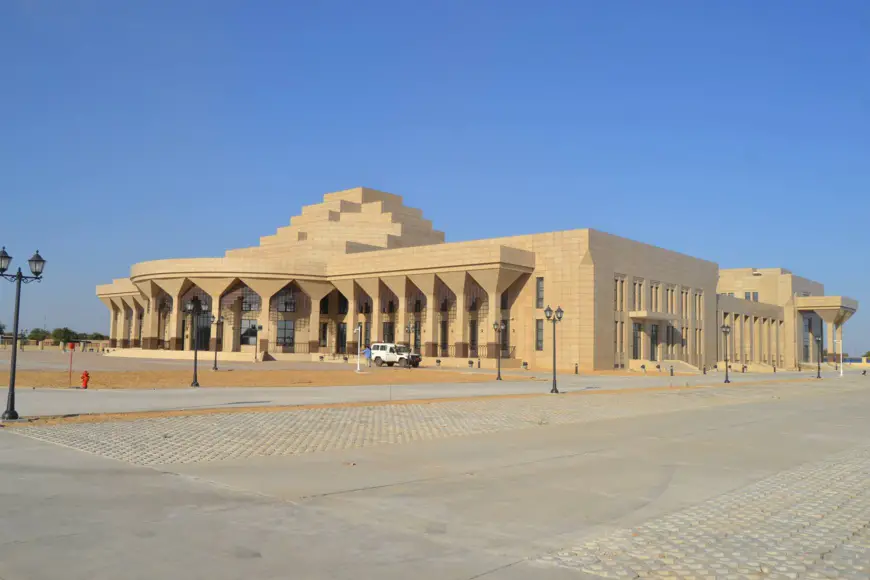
85, 378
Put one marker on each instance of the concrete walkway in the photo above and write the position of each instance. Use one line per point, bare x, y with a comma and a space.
478, 507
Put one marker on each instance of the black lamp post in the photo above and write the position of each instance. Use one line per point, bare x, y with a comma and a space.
819, 356
220, 321
37, 264
726, 330
498, 327
554, 317
194, 308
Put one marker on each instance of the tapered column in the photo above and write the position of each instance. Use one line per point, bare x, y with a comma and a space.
137, 329
494, 316
351, 319
151, 318
265, 289
429, 327
316, 291
398, 285
114, 315
124, 330
372, 287
839, 350
832, 349
175, 287
458, 282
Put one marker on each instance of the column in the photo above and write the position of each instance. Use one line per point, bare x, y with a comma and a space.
401, 315
150, 334
428, 328
114, 313
134, 338
315, 292
839, 341
832, 348
457, 282
124, 325
377, 316
216, 326
493, 317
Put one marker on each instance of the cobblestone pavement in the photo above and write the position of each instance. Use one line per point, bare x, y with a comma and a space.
810, 522
218, 437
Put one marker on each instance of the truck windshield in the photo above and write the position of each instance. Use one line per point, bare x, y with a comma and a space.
403, 349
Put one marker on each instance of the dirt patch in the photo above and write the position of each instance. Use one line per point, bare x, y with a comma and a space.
173, 379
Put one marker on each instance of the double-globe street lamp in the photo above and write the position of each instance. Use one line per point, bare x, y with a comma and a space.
498, 327
37, 264
725, 331
554, 317
819, 356
194, 308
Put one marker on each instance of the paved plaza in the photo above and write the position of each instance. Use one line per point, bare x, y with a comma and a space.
614, 480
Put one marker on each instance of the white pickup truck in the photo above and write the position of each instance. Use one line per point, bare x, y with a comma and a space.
390, 353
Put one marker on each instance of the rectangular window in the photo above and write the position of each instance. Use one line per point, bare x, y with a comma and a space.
635, 340
389, 332
286, 333
285, 302
391, 308
324, 305
747, 295
418, 305
539, 293
505, 300
444, 338
342, 304
755, 296
324, 333
250, 300
342, 337
539, 334
248, 332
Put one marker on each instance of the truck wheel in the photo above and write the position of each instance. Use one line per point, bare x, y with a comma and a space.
378, 361
416, 365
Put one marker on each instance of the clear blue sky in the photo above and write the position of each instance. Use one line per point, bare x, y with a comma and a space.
737, 131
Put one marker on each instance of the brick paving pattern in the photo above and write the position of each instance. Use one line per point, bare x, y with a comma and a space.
810, 522
255, 434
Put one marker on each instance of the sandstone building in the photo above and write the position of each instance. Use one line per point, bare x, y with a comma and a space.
363, 266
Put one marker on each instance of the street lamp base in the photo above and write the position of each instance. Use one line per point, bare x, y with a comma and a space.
498, 378
727, 381
194, 384
554, 391
10, 415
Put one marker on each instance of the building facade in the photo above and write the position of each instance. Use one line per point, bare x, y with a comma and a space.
362, 267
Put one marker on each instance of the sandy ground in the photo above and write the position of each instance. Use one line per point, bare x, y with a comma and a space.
170, 379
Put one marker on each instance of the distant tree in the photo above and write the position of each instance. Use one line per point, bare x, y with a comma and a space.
97, 336
2, 328
38, 334
867, 354
63, 334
